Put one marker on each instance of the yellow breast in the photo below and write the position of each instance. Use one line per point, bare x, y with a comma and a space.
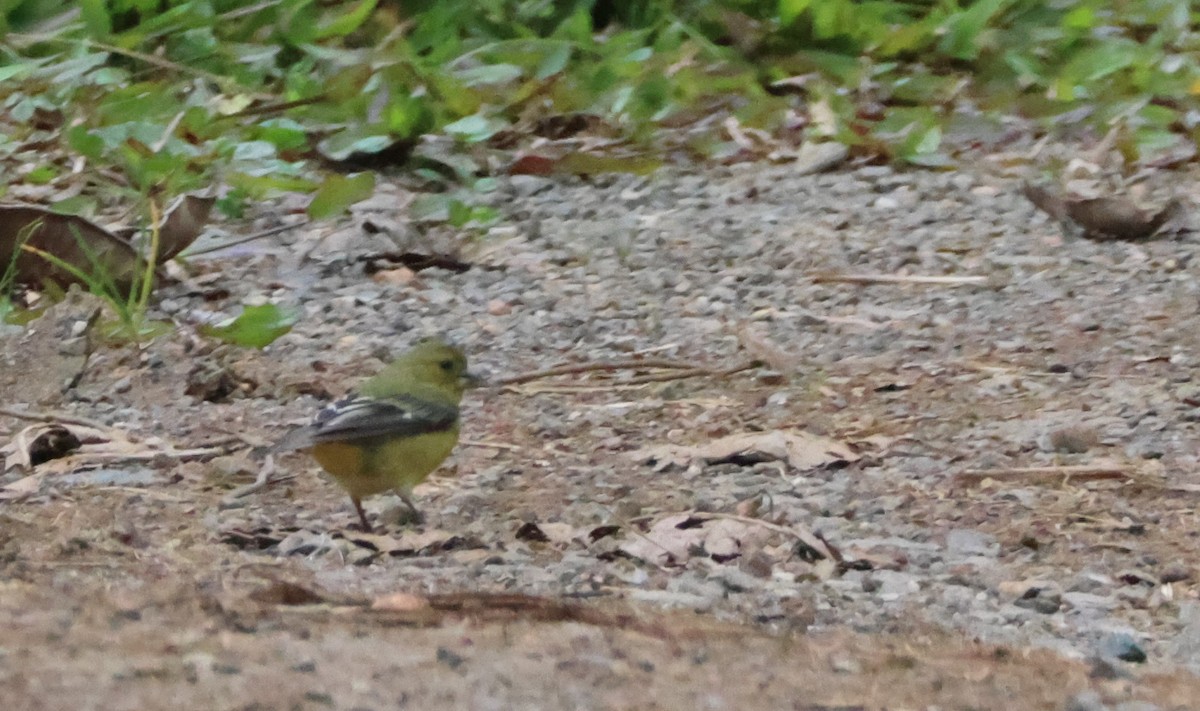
367, 467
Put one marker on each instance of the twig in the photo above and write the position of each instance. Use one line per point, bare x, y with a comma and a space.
693, 373
576, 368
169, 131
897, 279
665, 377
139, 491
689, 370
242, 240
1083, 473
493, 445
266, 477
543, 389
52, 416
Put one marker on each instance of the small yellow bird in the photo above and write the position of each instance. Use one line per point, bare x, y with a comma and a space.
393, 432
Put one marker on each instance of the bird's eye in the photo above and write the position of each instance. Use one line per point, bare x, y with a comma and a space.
446, 365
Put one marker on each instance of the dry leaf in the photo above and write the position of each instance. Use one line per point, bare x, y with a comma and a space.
182, 223
676, 538
552, 532
1107, 217
80, 243
27, 447
96, 446
800, 449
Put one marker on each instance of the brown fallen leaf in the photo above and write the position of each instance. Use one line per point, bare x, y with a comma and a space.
800, 449
1107, 217
22, 451
96, 446
41, 443
1048, 202
551, 532
414, 261
28, 232
674, 539
182, 223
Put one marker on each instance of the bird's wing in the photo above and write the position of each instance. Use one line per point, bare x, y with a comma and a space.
358, 417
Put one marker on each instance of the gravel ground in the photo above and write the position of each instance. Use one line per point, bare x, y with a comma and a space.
1020, 447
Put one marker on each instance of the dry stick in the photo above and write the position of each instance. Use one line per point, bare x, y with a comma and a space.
94, 457
576, 368
689, 370
147, 492
607, 387
180, 454
242, 240
167, 133
493, 445
896, 279
51, 416
264, 478
695, 372
1085, 473
24, 38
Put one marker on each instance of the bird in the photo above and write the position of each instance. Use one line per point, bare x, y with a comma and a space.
395, 429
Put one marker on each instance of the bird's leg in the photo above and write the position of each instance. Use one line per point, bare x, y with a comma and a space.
362, 515
417, 516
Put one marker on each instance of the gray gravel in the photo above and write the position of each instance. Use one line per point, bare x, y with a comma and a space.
1073, 353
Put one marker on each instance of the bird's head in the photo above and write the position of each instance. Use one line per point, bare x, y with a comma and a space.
437, 363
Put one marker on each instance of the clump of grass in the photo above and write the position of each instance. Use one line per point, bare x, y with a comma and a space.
131, 304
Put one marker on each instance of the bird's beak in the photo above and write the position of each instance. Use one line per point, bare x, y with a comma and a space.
471, 380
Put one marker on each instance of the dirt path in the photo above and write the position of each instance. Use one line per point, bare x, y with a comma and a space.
1001, 517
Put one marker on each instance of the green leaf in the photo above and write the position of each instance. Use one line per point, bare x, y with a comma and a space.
460, 213
474, 128
254, 151
1081, 18
96, 18
41, 175
269, 184
341, 146
284, 134
86, 143
255, 327
789, 10
348, 22
1081, 75
555, 62
339, 192
489, 74
963, 29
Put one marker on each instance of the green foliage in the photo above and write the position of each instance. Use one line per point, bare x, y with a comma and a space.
130, 305
339, 192
161, 97
174, 95
255, 327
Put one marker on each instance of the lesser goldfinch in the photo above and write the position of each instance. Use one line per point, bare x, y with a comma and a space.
395, 430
